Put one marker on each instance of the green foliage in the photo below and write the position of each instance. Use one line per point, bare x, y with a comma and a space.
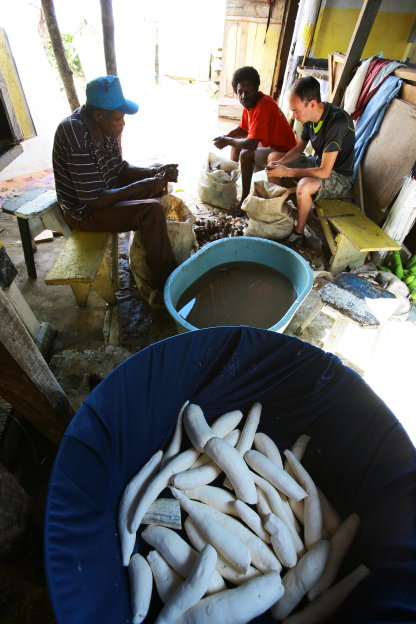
71, 53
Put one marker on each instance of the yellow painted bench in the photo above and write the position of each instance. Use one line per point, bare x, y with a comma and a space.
355, 235
82, 264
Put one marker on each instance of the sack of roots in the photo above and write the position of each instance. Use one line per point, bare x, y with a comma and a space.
179, 221
218, 183
267, 211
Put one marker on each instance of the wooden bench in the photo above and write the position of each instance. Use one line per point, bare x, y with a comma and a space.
33, 217
355, 236
82, 264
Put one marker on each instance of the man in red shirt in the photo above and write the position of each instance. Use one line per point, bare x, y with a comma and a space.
263, 129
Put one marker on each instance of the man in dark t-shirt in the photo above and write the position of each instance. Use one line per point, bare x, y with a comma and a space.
328, 173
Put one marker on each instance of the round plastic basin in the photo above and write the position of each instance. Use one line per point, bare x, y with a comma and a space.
359, 456
238, 249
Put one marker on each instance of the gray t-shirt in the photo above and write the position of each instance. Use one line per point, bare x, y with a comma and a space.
334, 132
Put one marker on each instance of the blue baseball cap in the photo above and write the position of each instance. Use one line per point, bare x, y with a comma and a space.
106, 92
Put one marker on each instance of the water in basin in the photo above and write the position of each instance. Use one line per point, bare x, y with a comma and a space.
258, 295
237, 293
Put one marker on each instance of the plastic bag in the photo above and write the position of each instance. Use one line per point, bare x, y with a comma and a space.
218, 183
268, 214
179, 222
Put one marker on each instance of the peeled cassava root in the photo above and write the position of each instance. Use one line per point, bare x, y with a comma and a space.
192, 589
269, 531
141, 583
239, 605
178, 554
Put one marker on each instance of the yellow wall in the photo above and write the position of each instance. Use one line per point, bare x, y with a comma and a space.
388, 35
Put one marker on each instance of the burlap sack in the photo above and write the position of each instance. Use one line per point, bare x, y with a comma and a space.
267, 211
179, 221
218, 183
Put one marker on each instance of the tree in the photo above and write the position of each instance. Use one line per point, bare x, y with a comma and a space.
58, 47
108, 36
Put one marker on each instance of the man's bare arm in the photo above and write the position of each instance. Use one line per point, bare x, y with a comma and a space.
130, 173
236, 138
323, 171
292, 154
236, 133
142, 189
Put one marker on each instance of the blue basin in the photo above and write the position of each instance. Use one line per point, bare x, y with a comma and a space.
241, 248
359, 455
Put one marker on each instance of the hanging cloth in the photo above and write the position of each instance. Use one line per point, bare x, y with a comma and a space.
369, 122
378, 70
271, 2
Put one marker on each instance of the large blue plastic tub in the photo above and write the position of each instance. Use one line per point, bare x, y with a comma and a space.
241, 248
359, 455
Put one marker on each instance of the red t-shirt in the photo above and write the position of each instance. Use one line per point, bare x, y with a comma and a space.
266, 123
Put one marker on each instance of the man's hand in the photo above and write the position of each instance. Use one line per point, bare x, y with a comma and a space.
148, 188
171, 172
160, 184
275, 170
272, 164
221, 142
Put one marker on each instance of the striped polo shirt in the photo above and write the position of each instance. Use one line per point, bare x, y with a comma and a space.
83, 168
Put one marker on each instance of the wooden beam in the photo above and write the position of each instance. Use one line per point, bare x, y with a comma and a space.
22, 308
358, 40
336, 62
406, 73
26, 381
408, 93
9, 155
9, 110
19, 120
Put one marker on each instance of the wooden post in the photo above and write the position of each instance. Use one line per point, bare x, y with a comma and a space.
26, 381
65, 72
402, 215
307, 16
358, 40
108, 37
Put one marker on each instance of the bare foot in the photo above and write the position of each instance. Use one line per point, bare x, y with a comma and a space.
237, 212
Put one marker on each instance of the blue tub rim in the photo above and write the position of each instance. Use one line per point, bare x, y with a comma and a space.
179, 320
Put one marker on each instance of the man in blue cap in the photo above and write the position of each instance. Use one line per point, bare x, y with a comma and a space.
98, 190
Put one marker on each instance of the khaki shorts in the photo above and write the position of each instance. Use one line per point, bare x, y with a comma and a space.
336, 185
260, 157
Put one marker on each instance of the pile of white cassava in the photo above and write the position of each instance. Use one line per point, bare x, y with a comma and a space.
272, 533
